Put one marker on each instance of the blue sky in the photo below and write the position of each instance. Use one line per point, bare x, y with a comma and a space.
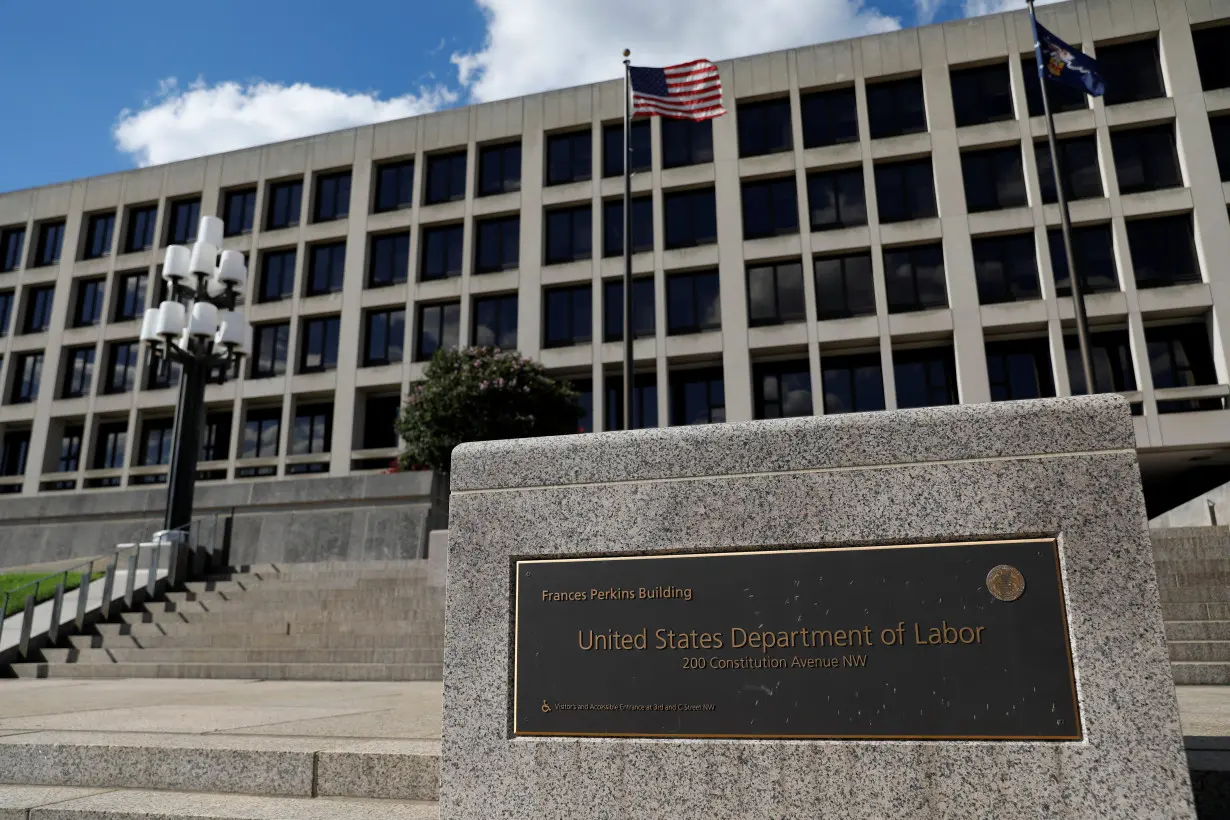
99, 87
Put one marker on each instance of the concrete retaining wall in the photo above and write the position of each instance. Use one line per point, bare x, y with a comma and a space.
1196, 513
352, 518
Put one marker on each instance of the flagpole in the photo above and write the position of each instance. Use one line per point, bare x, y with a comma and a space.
1078, 295
627, 241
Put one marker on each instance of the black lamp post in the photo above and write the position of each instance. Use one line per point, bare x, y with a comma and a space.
199, 328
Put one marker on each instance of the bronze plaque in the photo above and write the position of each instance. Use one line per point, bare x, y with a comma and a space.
917, 642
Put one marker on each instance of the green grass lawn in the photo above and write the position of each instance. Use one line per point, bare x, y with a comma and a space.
46, 590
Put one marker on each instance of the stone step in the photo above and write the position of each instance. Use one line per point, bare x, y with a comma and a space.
1182, 549
1193, 565
253, 656
235, 671
1195, 593
1197, 673
212, 601
366, 626
1198, 630
368, 611
331, 583
1204, 651
59, 803
261, 640
227, 764
1196, 611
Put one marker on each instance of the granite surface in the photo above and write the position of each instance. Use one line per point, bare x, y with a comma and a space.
974, 472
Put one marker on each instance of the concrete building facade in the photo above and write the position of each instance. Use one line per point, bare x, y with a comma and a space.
868, 228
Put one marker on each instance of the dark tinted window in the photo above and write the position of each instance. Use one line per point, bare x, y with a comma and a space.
110, 445
829, 117
390, 259
277, 275
836, 199
896, 108
613, 225
269, 348
782, 389
155, 441
613, 148
570, 157
6, 311
1111, 355
686, 143
88, 308
159, 374
613, 309
698, 397
379, 420
11, 241
313, 429
384, 334
499, 168
441, 252
318, 345
446, 177
495, 322
915, 278
844, 286
27, 373
51, 242
261, 432
764, 127
1181, 356
332, 197
691, 218
439, 328
1163, 251
1220, 127
925, 377
185, 217
569, 234
1006, 268
1079, 158
78, 371
1063, 97
70, 448
38, 309
130, 295
993, 179
1095, 259
285, 201
568, 316
14, 451
852, 384
1132, 71
905, 190
981, 94
216, 441
395, 185
644, 402
238, 212
1211, 56
693, 302
121, 367
775, 293
585, 397
770, 208
98, 235
1146, 159
498, 245
326, 268
1020, 369
142, 223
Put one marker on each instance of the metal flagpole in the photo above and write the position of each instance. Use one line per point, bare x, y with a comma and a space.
1078, 296
627, 241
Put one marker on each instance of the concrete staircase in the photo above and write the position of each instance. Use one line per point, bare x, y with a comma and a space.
368, 621
1193, 574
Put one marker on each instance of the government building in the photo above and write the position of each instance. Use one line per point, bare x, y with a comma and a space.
872, 226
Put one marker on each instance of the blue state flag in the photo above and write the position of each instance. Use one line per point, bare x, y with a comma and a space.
1063, 63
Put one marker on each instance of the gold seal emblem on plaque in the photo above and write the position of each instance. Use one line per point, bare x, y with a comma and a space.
1005, 583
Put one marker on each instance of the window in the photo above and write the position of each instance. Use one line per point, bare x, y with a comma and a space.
691, 218
498, 244
1006, 268
379, 421
185, 217
1220, 126
770, 208
385, 334
313, 429
698, 397
277, 275
775, 293
1163, 251
156, 440
613, 309
110, 445
1210, 46
130, 295
896, 108
27, 373
1020, 369
6, 310
285, 203
1079, 158
852, 384
70, 448
446, 177
1132, 71
1111, 355
269, 345
332, 197
441, 252
613, 225
390, 259
569, 316
238, 212
644, 402
692, 302
216, 441
613, 148
925, 377
142, 222
326, 268
1146, 159
1091, 245
50, 242
98, 235
905, 190
160, 374
38, 309
395, 185
499, 169
439, 328
764, 128
569, 234
836, 199
982, 94
783, 389
1062, 97
844, 286
13, 452
585, 397
88, 308
569, 157
495, 322
829, 117
261, 432
11, 240
993, 179
318, 347
121, 367
914, 278
685, 142
1180, 356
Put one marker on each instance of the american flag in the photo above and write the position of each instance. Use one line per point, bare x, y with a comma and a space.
688, 91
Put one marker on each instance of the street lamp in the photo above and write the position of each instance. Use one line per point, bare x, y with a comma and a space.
198, 327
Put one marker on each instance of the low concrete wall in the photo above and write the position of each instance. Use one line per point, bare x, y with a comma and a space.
350, 518
1195, 513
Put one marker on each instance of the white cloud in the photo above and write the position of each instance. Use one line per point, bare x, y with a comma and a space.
535, 45
977, 8
926, 9
203, 119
